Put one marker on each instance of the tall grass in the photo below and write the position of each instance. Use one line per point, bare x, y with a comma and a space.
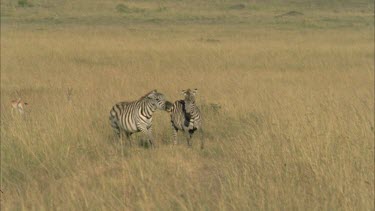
295, 128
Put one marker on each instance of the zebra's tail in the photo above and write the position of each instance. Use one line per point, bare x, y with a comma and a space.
114, 122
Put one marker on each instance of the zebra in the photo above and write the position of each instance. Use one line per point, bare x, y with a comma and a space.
136, 116
185, 116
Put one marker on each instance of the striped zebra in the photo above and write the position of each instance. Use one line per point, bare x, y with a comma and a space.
136, 116
185, 116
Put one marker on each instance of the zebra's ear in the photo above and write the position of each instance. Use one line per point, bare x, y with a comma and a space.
195, 91
183, 92
152, 93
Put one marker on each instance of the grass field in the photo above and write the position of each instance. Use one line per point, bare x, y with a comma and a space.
294, 81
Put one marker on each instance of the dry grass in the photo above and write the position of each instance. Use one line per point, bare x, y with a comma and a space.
295, 129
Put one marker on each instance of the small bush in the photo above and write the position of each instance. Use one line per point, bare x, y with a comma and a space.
122, 8
209, 40
290, 13
161, 9
125, 9
237, 7
24, 3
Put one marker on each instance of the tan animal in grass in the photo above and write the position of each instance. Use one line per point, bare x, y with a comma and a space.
18, 105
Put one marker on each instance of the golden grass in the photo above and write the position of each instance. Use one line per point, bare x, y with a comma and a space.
295, 129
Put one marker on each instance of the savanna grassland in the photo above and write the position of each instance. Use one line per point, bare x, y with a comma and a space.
286, 91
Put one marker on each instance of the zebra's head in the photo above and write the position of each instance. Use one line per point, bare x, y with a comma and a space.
189, 98
168, 106
157, 99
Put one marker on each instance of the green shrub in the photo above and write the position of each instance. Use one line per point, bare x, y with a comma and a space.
125, 9
24, 3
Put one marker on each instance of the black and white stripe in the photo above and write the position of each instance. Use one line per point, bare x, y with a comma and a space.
185, 116
136, 116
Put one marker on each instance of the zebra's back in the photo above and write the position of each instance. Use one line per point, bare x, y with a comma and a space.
136, 116
123, 116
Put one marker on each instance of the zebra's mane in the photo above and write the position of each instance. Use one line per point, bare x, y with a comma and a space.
146, 95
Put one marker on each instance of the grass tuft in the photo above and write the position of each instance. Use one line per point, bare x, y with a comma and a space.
237, 6
24, 3
125, 9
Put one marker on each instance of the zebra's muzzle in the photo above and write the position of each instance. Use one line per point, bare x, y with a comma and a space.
168, 106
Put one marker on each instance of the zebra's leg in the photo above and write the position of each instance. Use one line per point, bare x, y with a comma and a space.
116, 129
188, 138
121, 142
120, 137
202, 141
174, 134
202, 138
151, 138
148, 133
129, 137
